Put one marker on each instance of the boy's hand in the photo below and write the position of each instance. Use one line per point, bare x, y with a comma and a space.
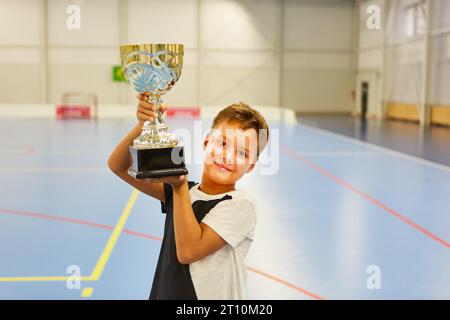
146, 110
175, 182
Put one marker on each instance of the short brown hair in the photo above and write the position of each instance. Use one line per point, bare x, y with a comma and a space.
247, 118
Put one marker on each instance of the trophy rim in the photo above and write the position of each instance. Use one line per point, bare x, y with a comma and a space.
139, 45
126, 50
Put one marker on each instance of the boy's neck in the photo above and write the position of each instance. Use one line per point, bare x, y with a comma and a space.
212, 188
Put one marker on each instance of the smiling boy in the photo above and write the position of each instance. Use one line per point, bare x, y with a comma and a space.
210, 225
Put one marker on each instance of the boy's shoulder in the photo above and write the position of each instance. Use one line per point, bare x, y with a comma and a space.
244, 195
237, 195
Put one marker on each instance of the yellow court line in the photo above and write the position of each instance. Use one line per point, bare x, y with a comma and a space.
87, 292
37, 279
103, 260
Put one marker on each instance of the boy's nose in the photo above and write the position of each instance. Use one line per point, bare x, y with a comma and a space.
228, 155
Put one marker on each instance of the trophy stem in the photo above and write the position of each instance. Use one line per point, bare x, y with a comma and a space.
158, 121
154, 133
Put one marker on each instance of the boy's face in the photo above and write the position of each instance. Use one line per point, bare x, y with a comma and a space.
230, 152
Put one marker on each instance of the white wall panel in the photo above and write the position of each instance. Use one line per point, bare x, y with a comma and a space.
317, 58
20, 22
239, 24
18, 55
313, 25
99, 23
169, 21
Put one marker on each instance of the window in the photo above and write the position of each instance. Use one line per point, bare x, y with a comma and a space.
415, 22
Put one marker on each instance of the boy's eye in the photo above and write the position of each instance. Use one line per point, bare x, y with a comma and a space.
221, 142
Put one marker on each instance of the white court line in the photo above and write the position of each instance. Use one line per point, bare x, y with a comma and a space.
372, 146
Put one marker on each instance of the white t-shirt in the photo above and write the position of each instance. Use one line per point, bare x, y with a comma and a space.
223, 274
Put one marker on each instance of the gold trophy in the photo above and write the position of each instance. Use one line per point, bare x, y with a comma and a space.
154, 69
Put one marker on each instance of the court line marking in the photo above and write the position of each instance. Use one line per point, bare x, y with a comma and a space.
45, 278
87, 292
74, 221
363, 195
276, 279
105, 255
372, 146
134, 233
55, 218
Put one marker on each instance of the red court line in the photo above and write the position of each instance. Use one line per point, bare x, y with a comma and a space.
308, 293
76, 221
55, 218
142, 235
364, 195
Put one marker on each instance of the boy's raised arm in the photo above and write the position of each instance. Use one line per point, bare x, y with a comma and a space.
120, 159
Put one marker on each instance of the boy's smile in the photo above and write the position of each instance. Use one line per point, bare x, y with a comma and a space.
222, 167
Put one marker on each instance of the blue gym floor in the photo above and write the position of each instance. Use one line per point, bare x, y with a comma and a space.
336, 207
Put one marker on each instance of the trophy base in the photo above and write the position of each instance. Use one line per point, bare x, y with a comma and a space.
157, 162
157, 173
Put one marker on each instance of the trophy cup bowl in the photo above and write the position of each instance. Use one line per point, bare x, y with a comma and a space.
154, 69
